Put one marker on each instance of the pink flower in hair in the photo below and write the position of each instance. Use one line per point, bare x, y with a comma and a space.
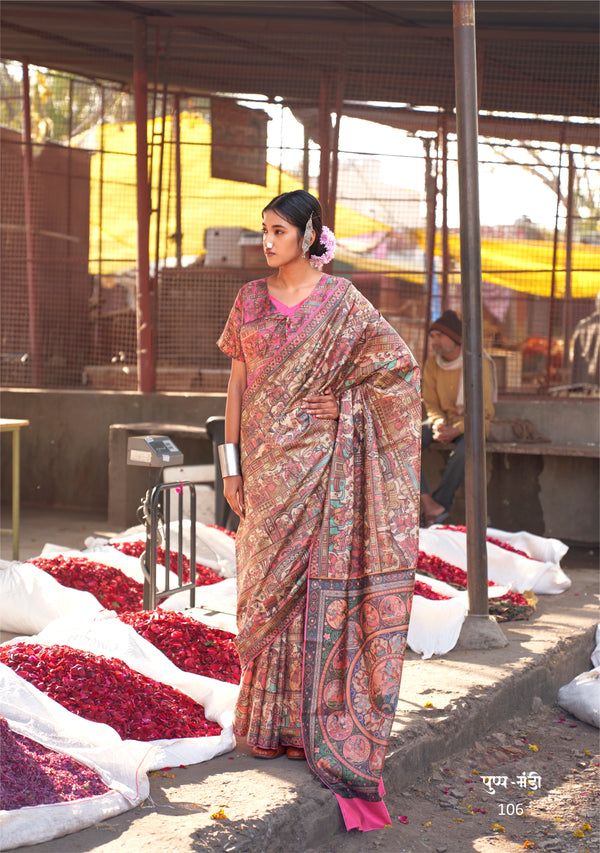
328, 241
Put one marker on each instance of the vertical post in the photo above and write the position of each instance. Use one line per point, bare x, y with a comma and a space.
146, 365
430, 197
325, 143
445, 249
552, 308
339, 106
568, 307
481, 632
305, 159
32, 296
16, 490
177, 143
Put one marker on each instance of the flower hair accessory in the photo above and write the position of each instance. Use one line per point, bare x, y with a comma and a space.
328, 242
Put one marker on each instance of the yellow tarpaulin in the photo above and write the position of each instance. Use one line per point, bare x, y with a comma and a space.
526, 265
206, 202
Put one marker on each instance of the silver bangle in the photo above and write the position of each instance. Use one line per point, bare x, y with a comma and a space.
229, 457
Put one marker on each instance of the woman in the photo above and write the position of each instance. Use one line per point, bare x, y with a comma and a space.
323, 401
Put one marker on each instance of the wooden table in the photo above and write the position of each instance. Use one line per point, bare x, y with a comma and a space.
14, 426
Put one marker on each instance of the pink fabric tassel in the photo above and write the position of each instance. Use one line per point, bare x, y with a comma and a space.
363, 814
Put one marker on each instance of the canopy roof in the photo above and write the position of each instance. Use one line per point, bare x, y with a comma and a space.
533, 57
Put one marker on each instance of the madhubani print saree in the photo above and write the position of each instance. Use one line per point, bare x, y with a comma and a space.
330, 536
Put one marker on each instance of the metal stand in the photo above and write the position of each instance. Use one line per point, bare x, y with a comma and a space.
155, 512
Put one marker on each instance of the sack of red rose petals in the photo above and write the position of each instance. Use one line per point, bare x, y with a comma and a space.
31, 599
120, 768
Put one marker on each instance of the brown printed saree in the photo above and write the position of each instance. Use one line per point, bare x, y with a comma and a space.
331, 529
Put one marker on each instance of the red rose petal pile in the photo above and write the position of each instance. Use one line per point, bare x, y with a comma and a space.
33, 775
113, 589
424, 590
510, 606
204, 575
189, 644
106, 690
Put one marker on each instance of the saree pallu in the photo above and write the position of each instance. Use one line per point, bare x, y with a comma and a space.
331, 532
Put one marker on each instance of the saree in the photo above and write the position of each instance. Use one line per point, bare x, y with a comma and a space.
330, 534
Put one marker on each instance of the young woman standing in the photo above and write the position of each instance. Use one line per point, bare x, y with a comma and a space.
321, 463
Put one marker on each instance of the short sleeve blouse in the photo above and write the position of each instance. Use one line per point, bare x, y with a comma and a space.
256, 327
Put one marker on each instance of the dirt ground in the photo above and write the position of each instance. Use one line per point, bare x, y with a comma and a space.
449, 810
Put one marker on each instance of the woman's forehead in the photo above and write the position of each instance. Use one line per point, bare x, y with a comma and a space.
273, 218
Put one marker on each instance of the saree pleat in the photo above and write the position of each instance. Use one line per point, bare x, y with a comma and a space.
268, 710
329, 541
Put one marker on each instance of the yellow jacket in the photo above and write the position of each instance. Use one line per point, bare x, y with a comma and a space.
440, 389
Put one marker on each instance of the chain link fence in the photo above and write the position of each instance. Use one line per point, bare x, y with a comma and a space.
69, 223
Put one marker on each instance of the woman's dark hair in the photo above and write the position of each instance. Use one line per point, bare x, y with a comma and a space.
296, 207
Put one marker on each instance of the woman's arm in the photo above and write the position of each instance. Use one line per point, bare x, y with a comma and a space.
233, 487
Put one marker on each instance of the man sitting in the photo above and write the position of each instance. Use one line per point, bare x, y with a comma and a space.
443, 397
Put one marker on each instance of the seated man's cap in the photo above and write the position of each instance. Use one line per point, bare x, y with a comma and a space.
448, 324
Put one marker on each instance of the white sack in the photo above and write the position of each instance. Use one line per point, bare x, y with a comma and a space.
512, 570
541, 548
581, 697
121, 766
30, 599
595, 656
221, 597
435, 626
105, 634
214, 548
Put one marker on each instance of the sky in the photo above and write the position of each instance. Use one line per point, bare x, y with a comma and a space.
506, 193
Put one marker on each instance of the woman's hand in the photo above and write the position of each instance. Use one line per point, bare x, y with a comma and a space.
322, 405
233, 489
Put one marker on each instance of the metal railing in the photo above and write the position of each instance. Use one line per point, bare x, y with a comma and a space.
155, 513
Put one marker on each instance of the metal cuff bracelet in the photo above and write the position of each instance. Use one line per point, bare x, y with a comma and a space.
229, 457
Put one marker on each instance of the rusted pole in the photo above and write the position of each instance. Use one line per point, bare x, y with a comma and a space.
305, 176
430, 196
30, 242
339, 106
146, 364
551, 310
445, 249
325, 143
568, 309
483, 631
177, 143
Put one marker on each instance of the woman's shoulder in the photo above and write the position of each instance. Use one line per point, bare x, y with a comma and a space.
254, 286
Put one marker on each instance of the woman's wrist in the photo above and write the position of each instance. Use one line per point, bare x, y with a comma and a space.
229, 459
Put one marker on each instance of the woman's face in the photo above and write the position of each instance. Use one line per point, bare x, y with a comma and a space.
281, 241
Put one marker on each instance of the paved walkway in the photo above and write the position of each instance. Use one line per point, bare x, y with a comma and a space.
446, 704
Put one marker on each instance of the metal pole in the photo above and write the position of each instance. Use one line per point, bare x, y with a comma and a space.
339, 106
325, 142
34, 320
568, 307
470, 261
305, 178
430, 196
551, 309
146, 364
177, 143
445, 249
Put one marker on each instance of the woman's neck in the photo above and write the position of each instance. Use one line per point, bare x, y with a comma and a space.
294, 278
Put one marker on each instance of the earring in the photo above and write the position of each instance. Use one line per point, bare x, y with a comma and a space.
307, 236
